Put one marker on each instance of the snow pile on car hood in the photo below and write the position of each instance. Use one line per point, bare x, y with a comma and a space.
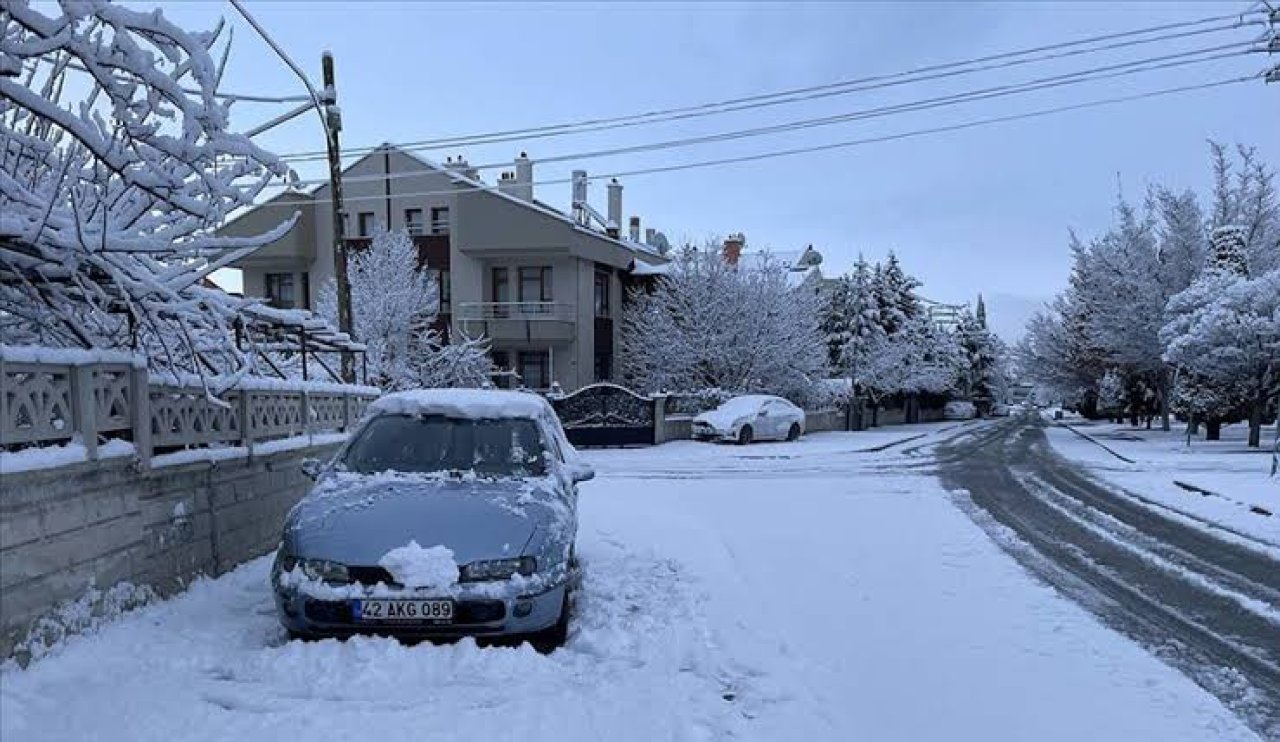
464, 403
413, 566
729, 413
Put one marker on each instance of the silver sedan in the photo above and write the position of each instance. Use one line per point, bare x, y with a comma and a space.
748, 418
447, 513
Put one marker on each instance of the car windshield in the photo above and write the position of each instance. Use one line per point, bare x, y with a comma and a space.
505, 447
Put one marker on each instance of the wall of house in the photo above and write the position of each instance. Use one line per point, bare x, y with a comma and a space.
67, 529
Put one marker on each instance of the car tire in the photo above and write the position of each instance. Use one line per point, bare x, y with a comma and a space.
745, 435
551, 639
794, 433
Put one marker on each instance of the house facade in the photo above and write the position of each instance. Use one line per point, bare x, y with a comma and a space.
545, 287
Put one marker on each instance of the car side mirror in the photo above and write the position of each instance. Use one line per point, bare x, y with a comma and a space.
312, 468
580, 472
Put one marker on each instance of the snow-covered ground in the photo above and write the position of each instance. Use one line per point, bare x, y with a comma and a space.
776, 592
1237, 477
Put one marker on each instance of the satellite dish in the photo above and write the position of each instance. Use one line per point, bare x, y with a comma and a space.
810, 258
660, 241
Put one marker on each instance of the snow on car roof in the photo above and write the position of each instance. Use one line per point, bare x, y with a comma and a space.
465, 403
746, 400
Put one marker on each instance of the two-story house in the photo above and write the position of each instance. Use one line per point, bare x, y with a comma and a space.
545, 287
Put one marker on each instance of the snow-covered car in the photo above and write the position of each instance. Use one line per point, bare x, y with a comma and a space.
754, 417
958, 409
1000, 409
447, 513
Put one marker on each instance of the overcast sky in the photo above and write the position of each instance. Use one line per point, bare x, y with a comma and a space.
985, 209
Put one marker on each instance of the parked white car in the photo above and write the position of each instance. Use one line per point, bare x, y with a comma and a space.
959, 409
753, 417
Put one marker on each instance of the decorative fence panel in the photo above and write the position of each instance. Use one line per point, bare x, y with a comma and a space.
607, 415
58, 396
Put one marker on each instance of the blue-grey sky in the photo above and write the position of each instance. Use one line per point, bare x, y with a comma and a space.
980, 210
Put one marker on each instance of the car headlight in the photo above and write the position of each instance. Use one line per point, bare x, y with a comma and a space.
498, 569
323, 570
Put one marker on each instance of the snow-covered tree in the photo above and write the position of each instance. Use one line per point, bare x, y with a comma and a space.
711, 325
895, 292
1228, 333
984, 373
852, 325
116, 164
393, 303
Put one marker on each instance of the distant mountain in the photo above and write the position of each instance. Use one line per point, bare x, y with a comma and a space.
1007, 314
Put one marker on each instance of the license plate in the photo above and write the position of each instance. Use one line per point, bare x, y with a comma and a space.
421, 611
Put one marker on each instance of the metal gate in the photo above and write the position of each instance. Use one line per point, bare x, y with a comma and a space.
606, 415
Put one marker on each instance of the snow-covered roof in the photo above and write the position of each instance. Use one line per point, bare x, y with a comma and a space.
465, 403
648, 269
534, 204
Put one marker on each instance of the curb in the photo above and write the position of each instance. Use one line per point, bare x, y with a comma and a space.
1255, 509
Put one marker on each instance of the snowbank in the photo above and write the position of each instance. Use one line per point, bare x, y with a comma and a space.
1223, 485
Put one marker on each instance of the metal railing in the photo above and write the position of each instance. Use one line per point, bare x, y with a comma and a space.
54, 397
517, 310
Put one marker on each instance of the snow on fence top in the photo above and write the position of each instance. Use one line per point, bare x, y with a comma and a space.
260, 384
69, 356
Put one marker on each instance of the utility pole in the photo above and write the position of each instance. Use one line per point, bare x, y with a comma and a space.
333, 126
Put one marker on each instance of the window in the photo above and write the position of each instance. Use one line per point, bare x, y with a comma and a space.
604, 366
440, 220
534, 367
446, 291
413, 222
602, 294
346, 224
364, 224
280, 290
306, 290
500, 291
535, 286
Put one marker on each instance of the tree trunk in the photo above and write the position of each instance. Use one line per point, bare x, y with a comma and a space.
1255, 424
1162, 389
1193, 424
1213, 430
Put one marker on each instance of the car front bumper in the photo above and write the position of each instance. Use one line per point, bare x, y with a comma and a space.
479, 614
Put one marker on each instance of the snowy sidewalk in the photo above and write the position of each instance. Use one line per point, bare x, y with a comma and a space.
1223, 484
776, 592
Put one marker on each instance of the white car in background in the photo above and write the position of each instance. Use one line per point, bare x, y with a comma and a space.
754, 417
959, 409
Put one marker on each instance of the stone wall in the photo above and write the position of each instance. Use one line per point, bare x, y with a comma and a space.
96, 524
821, 420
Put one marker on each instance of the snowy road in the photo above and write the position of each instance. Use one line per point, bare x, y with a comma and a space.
819, 590
1205, 599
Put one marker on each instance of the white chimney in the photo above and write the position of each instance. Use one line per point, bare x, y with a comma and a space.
635, 229
580, 196
614, 225
524, 177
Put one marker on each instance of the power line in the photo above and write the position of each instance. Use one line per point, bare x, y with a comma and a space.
944, 70
1168, 61
977, 123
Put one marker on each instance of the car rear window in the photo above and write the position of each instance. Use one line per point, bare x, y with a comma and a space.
506, 447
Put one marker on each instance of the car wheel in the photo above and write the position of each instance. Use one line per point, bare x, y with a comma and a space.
745, 435
794, 432
549, 640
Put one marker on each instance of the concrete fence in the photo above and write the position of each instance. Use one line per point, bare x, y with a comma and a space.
97, 524
59, 396
174, 480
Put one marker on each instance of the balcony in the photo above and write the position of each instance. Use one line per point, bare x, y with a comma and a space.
517, 320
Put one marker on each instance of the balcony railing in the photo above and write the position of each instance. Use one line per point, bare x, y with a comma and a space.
514, 310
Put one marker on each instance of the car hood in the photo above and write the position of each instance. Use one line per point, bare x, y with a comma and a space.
720, 419
357, 519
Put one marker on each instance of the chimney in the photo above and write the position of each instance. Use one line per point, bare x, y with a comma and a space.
614, 226
648, 235
733, 248
580, 197
523, 177
507, 183
635, 229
